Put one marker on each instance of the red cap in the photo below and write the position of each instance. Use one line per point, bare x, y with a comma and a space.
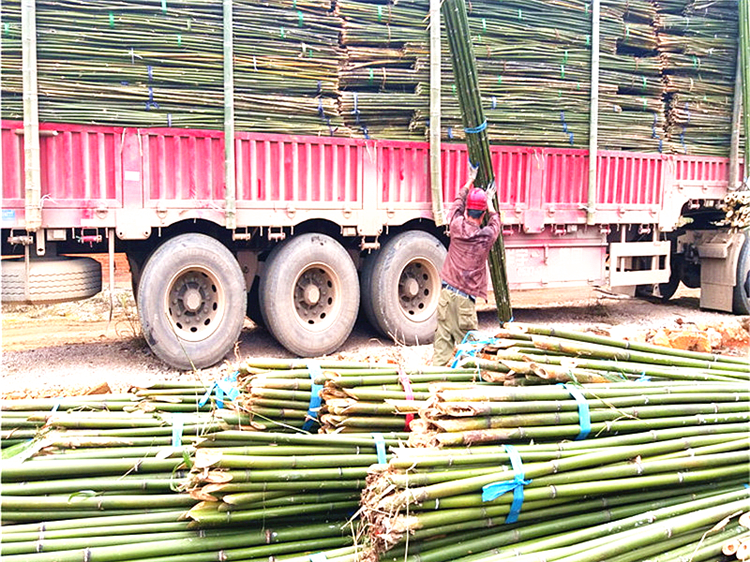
477, 199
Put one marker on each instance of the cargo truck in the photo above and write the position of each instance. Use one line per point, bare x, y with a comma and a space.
303, 233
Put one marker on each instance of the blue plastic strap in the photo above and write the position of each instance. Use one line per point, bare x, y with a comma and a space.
315, 400
318, 557
380, 447
178, 426
584, 415
497, 489
472, 343
450, 133
477, 129
56, 406
221, 388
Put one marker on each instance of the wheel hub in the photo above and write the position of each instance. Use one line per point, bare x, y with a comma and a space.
316, 297
417, 289
411, 288
311, 295
192, 299
195, 304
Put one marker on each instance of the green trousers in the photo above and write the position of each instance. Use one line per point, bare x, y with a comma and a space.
456, 315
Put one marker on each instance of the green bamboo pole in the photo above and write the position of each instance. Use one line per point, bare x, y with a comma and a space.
744, 41
464, 70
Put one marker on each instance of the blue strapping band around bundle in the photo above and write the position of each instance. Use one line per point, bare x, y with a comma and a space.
477, 129
497, 489
450, 132
469, 348
221, 388
178, 425
380, 447
584, 415
318, 557
56, 406
355, 111
643, 378
315, 400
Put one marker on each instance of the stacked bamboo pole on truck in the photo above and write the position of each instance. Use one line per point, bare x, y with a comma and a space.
132, 64
698, 49
360, 68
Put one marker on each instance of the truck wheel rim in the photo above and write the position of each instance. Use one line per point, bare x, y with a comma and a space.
317, 295
195, 303
418, 290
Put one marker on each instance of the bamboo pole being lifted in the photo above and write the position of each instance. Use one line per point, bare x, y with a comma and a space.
475, 125
744, 60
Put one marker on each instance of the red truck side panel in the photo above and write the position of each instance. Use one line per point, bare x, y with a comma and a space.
178, 174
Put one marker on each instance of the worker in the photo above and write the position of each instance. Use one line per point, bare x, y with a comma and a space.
464, 273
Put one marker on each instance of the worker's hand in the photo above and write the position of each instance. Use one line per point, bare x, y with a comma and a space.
491, 190
472, 175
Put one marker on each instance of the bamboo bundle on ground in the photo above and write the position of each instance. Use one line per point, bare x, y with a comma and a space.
422, 495
500, 414
282, 476
541, 355
67, 497
339, 398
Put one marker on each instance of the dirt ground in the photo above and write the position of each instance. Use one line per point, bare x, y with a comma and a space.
74, 348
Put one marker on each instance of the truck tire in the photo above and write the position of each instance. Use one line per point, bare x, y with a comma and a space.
51, 280
309, 294
741, 295
401, 287
191, 301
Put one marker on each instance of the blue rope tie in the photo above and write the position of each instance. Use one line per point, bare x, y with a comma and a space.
584, 414
477, 129
315, 400
221, 388
496, 489
178, 426
380, 447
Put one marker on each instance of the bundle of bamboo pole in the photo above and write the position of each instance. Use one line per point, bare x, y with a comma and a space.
360, 68
500, 414
339, 397
526, 354
736, 207
648, 481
